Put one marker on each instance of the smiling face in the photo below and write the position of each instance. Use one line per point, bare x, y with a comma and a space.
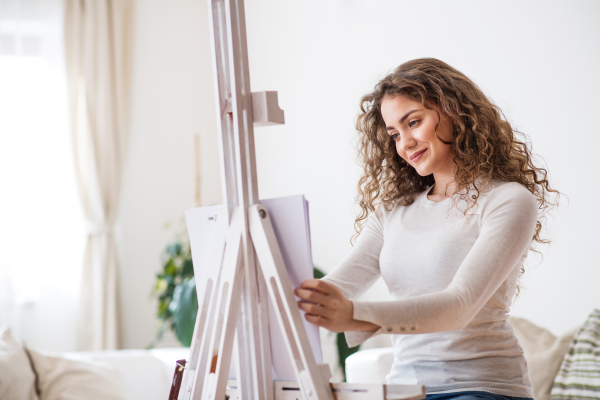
413, 127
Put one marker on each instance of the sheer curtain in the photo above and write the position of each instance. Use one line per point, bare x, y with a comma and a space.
98, 41
41, 221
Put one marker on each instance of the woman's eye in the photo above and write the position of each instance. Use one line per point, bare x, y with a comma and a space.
412, 123
395, 136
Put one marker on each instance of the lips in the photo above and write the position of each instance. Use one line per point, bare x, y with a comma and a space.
417, 154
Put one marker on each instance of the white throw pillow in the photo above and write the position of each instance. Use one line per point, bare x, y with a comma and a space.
544, 353
64, 379
17, 380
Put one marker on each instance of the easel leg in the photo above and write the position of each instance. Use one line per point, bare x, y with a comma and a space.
191, 379
263, 313
227, 307
252, 338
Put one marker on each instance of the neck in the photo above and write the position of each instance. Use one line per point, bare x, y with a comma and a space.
445, 185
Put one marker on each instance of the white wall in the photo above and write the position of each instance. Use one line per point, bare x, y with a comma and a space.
537, 60
172, 102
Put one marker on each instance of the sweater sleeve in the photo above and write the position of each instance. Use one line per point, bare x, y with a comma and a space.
360, 269
507, 228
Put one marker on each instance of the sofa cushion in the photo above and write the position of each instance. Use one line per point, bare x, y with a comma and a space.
543, 351
579, 374
146, 374
17, 380
65, 379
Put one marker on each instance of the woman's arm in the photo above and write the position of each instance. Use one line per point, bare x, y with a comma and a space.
326, 306
360, 269
508, 225
326, 301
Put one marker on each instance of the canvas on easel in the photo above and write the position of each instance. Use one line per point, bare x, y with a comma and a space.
291, 225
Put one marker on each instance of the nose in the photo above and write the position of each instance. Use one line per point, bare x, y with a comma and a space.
406, 142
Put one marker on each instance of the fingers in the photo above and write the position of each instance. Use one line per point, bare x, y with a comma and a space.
320, 285
315, 309
313, 296
322, 322
317, 320
323, 304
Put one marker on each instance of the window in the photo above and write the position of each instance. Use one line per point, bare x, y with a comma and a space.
41, 223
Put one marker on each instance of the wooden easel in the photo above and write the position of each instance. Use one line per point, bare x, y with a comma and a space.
248, 266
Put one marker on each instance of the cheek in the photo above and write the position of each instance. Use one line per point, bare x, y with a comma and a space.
400, 152
442, 153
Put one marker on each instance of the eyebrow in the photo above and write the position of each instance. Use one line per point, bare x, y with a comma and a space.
389, 128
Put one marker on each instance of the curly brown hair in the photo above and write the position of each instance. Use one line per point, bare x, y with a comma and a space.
485, 145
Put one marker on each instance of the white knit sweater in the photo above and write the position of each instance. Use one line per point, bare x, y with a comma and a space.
452, 279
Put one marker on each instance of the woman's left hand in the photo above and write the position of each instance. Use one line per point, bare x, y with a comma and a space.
326, 306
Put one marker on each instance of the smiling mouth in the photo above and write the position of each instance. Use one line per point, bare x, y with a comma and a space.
416, 155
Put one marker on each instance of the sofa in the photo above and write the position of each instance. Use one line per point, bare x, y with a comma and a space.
26, 374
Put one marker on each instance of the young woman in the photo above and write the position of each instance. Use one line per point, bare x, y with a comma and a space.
454, 203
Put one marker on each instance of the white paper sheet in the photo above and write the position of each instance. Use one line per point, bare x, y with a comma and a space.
291, 225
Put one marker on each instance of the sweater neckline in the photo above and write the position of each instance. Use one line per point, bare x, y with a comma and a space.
430, 203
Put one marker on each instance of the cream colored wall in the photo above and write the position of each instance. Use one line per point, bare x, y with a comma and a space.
537, 60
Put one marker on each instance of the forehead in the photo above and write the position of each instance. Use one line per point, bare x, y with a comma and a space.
396, 106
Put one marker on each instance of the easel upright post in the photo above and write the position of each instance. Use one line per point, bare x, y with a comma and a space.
235, 123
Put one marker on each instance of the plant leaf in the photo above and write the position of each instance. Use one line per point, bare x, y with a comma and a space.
344, 351
187, 270
174, 249
318, 274
170, 268
185, 311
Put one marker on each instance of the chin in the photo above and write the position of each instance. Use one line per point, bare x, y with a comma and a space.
423, 171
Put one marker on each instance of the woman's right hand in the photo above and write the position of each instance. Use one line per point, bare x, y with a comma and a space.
326, 306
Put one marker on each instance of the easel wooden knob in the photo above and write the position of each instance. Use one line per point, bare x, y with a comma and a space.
266, 109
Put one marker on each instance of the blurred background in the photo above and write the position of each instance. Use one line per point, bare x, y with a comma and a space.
537, 60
